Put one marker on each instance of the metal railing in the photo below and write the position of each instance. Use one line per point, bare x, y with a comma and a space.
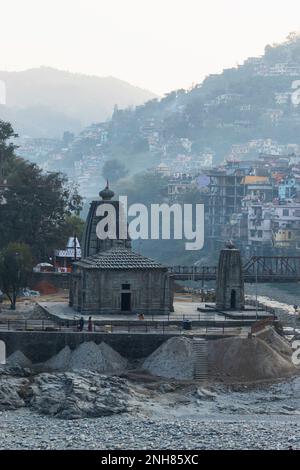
111, 327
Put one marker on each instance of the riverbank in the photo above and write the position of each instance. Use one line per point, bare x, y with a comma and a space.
23, 430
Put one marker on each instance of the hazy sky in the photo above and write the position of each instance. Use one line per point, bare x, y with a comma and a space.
156, 44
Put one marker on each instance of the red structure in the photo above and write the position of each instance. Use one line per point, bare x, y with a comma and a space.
63, 259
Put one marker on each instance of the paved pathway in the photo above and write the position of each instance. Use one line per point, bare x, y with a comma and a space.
183, 310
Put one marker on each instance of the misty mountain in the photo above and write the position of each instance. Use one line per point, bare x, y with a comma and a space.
43, 102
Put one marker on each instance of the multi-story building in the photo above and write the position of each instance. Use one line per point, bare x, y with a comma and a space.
179, 185
225, 194
286, 226
254, 203
289, 188
273, 226
260, 216
260, 187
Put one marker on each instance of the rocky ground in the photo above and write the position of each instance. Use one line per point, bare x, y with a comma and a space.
65, 395
25, 430
89, 410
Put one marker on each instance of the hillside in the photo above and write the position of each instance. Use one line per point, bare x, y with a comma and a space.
251, 109
242, 111
43, 102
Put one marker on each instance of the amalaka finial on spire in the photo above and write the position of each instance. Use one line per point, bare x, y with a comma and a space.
106, 194
230, 245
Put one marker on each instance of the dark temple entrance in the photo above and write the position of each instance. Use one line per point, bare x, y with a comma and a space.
233, 300
126, 301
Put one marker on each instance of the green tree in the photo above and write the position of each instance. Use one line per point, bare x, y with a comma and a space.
73, 225
114, 170
145, 187
35, 206
6, 150
15, 267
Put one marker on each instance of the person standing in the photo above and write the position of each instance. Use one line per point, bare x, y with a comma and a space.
81, 324
90, 324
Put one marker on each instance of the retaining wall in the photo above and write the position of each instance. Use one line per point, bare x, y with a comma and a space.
41, 346
59, 280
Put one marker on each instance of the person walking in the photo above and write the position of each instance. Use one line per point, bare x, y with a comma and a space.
90, 324
81, 324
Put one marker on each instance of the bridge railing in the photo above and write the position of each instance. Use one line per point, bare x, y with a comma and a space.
204, 271
273, 266
257, 268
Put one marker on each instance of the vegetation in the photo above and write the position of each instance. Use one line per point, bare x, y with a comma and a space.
15, 267
36, 208
114, 170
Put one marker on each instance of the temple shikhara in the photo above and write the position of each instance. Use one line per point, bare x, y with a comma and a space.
111, 278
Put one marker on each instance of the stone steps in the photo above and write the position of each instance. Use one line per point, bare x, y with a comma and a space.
200, 359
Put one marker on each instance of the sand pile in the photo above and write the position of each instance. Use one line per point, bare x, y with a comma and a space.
88, 356
173, 359
277, 342
247, 359
18, 359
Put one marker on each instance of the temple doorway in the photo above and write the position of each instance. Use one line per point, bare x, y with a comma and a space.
126, 301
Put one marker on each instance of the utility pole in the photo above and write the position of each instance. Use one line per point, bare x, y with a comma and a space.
3, 182
75, 247
256, 293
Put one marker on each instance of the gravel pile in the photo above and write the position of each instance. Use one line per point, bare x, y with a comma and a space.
18, 359
88, 356
174, 359
60, 361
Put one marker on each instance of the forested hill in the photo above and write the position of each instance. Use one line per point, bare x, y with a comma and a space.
255, 101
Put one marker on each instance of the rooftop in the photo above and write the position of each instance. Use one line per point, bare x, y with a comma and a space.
118, 258
255, 180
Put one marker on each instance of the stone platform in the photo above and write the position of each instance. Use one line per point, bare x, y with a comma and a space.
200, 314
247, 313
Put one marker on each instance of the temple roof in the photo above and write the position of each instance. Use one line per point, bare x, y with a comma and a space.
118, 258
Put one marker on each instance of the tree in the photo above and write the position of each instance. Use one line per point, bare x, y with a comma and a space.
73, 225
114, 170
15, 266
37, 205
6, 148
145, 187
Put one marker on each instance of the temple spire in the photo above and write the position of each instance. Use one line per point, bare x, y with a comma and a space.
106, 194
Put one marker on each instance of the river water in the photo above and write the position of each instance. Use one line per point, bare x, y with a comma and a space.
281, 297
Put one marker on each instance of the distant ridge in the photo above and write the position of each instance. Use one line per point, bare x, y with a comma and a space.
39, 95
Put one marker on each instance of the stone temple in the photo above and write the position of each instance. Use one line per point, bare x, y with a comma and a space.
230, 282
113, 279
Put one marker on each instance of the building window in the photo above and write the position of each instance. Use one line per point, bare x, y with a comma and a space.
259, 234
290, 235
125, 286
285, 212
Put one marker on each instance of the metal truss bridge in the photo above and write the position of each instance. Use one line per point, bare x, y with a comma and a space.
281, 269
